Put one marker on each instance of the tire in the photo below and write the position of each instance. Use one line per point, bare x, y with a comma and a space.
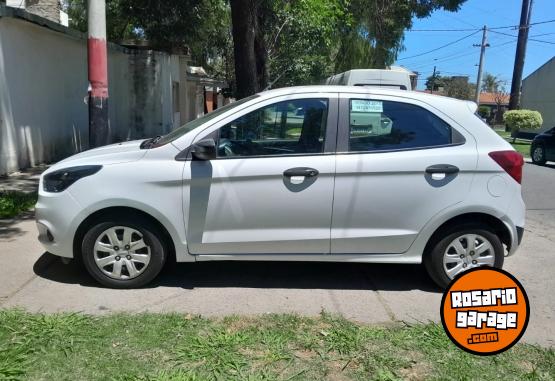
538, 155
137, 265
443, 246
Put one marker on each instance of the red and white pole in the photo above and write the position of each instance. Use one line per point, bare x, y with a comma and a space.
99, 126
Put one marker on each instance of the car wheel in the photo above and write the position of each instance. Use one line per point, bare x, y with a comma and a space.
463, 248
123, 253
538, 155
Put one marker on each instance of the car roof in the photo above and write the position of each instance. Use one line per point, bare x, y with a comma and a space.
368, 90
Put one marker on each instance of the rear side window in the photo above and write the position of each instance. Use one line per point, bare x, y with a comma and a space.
387, 125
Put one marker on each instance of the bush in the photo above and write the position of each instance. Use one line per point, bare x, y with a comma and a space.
484, 112
522, 119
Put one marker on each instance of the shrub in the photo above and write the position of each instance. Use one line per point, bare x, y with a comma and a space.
484, 111
522, 119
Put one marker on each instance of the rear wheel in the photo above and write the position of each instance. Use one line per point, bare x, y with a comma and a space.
123, 253
463, 248
538, 155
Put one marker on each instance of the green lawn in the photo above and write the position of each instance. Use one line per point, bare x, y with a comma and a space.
271, 347
13, 203
520, 145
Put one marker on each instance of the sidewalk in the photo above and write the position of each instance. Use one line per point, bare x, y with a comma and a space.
25, 181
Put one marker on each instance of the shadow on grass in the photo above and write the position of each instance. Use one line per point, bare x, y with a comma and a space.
267, 275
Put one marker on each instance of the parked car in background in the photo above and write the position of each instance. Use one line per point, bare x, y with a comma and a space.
543, 147
319, 173
394, 78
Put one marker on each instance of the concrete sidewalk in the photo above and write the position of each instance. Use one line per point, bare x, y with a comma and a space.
381, 294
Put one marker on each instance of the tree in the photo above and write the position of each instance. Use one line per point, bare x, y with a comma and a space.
198, 27
459, 87
491, 83
374, 36
437, 80
522, 119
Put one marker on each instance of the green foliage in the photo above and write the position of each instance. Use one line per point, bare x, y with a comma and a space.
484, 111
300, 38
374, 36
436, 80
176, 347
522, 119
200, 27
13, 203
492, 84
460, 88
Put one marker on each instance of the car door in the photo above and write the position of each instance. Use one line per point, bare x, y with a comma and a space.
398, 164
270, 189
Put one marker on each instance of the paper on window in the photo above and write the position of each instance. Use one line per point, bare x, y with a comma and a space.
360, 105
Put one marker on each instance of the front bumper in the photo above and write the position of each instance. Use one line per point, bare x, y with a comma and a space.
55, 215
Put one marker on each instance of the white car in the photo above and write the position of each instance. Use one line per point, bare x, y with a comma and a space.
320, 173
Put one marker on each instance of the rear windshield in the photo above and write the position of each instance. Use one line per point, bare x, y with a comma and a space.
190, 126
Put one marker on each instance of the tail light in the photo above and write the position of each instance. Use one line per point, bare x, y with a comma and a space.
511, 162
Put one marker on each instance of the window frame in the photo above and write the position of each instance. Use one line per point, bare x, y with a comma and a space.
343, 134
330, 137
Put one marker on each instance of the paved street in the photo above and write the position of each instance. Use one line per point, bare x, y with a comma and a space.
37, 281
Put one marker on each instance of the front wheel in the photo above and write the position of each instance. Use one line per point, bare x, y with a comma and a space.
123, 253
462, 249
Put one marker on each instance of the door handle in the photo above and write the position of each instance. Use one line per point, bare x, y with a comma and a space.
301, 171
442, 168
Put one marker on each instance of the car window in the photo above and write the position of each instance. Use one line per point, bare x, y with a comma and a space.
387, 125
190, 126
284, 128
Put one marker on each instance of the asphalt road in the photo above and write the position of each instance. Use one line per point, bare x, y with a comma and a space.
371, 293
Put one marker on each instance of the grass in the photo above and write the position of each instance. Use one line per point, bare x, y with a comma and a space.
13, 203
520, 145
179, 347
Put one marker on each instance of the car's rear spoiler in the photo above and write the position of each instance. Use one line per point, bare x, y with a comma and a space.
472, 106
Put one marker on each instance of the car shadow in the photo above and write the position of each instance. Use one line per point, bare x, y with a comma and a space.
268, 275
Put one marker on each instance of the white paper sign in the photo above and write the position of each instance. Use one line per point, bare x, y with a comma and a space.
359, 105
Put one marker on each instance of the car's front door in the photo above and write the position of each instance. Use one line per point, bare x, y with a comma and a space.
398, 164
270, 189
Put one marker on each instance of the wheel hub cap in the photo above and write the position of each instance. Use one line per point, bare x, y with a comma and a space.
121, 253
466, 252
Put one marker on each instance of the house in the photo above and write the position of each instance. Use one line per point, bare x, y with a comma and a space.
44, 82
538, 93
497, 103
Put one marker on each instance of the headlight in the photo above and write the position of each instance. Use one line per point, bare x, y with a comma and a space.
60, 180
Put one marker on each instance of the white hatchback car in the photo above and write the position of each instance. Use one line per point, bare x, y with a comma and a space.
322, 173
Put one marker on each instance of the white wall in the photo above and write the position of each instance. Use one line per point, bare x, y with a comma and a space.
43, 82
538, 93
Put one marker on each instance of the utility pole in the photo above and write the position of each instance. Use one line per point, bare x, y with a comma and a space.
523, 29
433, 80
99, 126
483, 47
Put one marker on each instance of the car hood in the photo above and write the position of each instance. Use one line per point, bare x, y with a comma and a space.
110, 154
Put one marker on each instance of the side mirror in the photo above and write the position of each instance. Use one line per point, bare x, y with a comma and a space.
204, 150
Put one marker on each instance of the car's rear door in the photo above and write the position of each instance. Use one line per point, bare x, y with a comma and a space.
398, 164
270, 190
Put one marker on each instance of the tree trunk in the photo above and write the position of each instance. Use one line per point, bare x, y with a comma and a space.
243, 18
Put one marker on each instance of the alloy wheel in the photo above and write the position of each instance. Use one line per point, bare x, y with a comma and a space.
537, 155
121, 253
466, 252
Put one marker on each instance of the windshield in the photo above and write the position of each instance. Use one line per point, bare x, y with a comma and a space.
190, 126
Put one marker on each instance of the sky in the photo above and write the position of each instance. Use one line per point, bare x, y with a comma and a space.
461, 58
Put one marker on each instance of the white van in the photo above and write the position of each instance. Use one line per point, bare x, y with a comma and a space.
392, 78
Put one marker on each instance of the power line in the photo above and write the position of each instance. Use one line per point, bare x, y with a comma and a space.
440, 47
529, 39
516, 27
